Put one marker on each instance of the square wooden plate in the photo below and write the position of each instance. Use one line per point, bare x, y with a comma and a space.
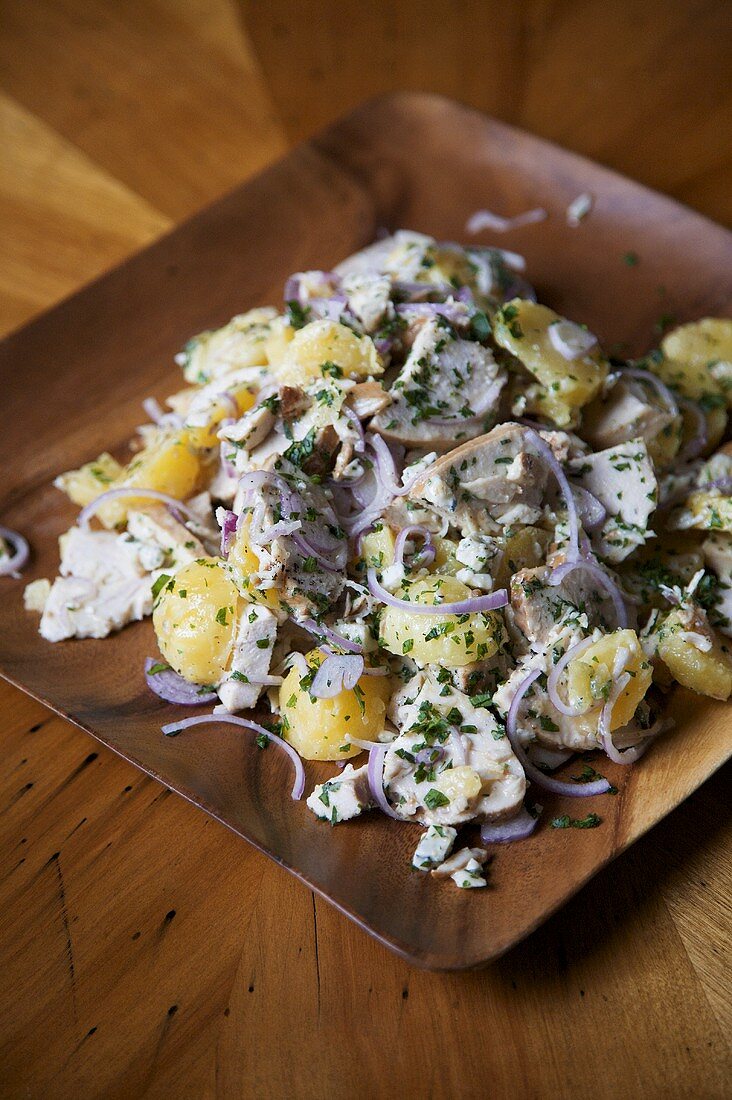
72, 383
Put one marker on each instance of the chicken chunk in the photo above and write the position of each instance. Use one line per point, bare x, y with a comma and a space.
451, 761
492, 480
623, 480
447, 390
256, 635
625, 414
343, 797
102, 587
539, 609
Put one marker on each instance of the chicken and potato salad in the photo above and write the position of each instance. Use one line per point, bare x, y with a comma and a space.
419, 525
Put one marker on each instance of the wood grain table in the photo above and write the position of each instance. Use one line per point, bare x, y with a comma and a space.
144, 950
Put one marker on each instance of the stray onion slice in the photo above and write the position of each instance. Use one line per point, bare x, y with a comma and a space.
12, 563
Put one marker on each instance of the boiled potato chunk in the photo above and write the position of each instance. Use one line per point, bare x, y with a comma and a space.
440, 639
171, 464
241, 343
281, 333
194, 619
523, 328
325, 348
207, 436
377, 547
242, 563
707, 346
682, 646
708, 512
318, 729
590, 675
693, 380
84, 485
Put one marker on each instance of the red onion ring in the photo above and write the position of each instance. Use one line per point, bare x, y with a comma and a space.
576, 343
552, 684
376, 781
171, 687
320, 630
571, 790
11, 565
89, 510
601, 577
474, 604
337, 673
310, 552
503, 832
627, 756
698, 441
228, 530
592, 512
173, 728
426, 554
723, 484
663, 391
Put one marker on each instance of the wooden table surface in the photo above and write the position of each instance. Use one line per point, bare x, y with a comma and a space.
144, 950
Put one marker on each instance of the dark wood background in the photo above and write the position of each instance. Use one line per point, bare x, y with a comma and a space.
145, 951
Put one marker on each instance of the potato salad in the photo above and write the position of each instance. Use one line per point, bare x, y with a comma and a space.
419, 526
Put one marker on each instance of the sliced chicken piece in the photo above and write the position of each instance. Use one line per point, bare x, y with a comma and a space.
251, 429
461, 861
451, 762
102, 587
539, 609
446, 391
717, 549
366, 399
624, 414
494, 479
256, 634
400, 254
343, 797
623, 480
434, 846
161, 542
369, 298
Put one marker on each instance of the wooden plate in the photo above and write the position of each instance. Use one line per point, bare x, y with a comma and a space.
72, 383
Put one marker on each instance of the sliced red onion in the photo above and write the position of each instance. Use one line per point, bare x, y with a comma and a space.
310, 552
426, 554
694, 446
376, 781
600, 576
667, 396
486, 219
554, 465
469, 606
571, 790
722, 484
297, 660
418, 292
173, 728
12, 563
552, 684
328, 309
276, 530
367, 746
320, 630
171, 687
627, 756
89, 510
153, 409
579, 208
336, 674
571, 340
503, 832
454, 312
592, 512
228, 528
227, 467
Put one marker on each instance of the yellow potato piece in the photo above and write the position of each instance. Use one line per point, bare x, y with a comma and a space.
318, 728
84, 485
681, 367
326, 348
245, 398
707, 346
522, 327
194, 619
242, 563
440, 639
377, 547
711, 511
461, 782
280, 335
705, 672
590, 676
171, 464
240, 343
